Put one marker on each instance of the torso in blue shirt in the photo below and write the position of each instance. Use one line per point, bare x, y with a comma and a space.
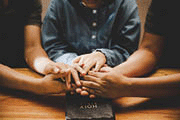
71, 28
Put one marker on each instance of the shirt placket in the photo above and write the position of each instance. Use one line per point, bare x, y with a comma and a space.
94, 24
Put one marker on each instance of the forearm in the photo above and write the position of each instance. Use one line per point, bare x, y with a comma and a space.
37, 59
155, 86
145, 59
35, 55
12, 79
139, 63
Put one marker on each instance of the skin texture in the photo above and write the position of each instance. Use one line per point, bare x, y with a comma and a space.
86, 62
43, 86
39, 61
122, 80
114, 85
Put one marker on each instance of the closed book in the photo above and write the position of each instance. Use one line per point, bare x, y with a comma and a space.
84, 108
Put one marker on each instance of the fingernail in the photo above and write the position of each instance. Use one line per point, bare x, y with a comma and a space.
79, 83
83, 74
84, 88
78, 90
56, 70
92, 96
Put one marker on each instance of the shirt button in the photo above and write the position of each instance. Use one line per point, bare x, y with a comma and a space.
94, 24
93, 36
94, 11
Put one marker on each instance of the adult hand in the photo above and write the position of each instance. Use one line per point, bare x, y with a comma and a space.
49, 85
109, 85
82, 91
86, 62
51, 68
65, 71
105, 68
65, 68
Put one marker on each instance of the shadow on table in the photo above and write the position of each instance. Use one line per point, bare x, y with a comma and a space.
55, 101
128, 104
122, 105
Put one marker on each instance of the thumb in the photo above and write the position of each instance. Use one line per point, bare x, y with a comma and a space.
51, 69
55, 70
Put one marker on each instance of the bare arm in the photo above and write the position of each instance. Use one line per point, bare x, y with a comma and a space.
163, 86
35, 55
12, 79
46, 85
114, 85
145, 58
37, 58
140, 63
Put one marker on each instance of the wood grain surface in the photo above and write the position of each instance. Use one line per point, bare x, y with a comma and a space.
15, 105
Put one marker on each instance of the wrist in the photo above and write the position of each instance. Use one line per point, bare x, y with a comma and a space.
134, 89
127, 85
30, 85
37, 86
100, 53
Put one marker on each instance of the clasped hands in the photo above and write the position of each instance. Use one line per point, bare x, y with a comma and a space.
98, 79
79, 68
88, 62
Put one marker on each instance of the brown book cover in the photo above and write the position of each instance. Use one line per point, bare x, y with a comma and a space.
83, 108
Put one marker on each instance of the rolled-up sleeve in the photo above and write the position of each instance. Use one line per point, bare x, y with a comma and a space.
126, 39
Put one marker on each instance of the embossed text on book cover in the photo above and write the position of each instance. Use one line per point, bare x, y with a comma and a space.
83, 108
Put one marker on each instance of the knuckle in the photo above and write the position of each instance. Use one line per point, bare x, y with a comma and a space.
74, 65
73, 70
106, 77
104, 83
91, 84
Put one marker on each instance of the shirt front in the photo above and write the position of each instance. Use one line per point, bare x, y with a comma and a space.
71, 29
163, 19
12, 21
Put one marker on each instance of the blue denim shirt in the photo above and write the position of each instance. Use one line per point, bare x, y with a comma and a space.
71, 29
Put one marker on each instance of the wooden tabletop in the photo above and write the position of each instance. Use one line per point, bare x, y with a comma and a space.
23, 105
